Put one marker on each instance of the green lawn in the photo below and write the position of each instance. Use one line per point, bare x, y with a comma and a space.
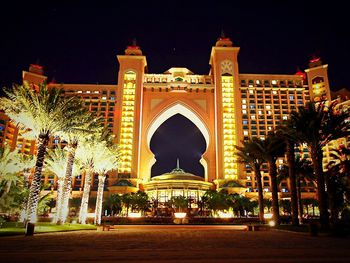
14, 228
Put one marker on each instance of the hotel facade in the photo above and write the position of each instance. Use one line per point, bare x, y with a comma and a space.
225, 105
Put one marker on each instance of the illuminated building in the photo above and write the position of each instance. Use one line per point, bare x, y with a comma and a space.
227, 107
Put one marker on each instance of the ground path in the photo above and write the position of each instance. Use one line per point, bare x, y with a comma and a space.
159, 243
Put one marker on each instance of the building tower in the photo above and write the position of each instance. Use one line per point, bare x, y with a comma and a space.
129, 104
317, 78
224, 69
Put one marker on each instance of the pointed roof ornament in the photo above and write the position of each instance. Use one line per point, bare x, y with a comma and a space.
177, 170
222, 35
134, 42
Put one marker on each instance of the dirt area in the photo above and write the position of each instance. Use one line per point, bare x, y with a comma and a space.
174, 244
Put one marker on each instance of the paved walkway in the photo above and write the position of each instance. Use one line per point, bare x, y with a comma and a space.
174, 244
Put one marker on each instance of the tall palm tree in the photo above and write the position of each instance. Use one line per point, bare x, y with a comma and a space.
26, 162
249, 153
105, 161
88, 153
270, 149
288, 132
43, 113
338, 180
86, 124
56, 162
317, 125
303, 173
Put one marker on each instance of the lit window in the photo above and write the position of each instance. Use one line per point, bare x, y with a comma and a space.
79, 91
291, 97
244, 106
251, 91
285, 117
274, 82
96, 91
245, 132
104, 97
244, 111
274, 92
268, 107
252, 117
257, 81
88, 91
245, 122
262, 138
260, 112
269, 128
244, 101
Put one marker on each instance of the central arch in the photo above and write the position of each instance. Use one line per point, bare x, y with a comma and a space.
171, 111
186, 111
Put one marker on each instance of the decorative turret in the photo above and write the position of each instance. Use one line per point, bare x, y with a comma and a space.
315, 62
133, 49
223, 41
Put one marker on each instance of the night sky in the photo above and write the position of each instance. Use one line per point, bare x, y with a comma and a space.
79, 43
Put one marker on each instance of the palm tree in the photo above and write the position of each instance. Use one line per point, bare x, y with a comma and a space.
26, 162
179, 202
216, 201
249, 153
140, 201
114, 204
86, 124
42, 113
317, 125
127, 200
270, 149
12, 186
303, 173
288, 132
10, 167
106, 160
56, 162
338, 180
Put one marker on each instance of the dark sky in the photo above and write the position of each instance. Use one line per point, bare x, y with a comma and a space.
79, 43
170, 142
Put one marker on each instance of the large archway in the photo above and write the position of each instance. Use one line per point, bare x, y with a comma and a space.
178, 137
159, 118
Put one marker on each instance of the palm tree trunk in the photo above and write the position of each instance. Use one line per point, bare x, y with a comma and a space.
300, 204
67, 185
34, 191
292, 179
99, 199
316, 156
59, 197
274, 191
85, 199
23, 213
260, 194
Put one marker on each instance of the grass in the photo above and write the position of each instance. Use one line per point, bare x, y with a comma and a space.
16, 228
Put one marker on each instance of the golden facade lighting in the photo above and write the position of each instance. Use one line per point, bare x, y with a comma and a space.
127, 121
229, 127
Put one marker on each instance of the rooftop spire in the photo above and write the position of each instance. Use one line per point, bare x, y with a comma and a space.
177, 163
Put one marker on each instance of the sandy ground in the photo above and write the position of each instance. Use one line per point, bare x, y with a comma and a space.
174, 244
